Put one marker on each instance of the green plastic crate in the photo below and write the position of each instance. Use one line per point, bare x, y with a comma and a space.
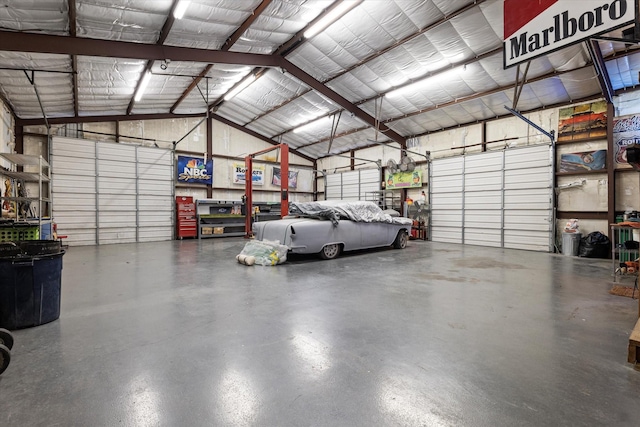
15, 234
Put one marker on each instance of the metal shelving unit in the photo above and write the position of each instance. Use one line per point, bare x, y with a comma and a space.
622, 252
35, 170
219, 218
386, 199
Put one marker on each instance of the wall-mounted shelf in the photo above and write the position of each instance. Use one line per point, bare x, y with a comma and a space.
585, 172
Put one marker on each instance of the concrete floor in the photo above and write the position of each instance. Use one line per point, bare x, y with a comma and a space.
178, 334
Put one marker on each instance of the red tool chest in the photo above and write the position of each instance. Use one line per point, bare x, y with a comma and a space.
186, 223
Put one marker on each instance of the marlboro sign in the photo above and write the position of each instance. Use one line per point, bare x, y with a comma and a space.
536, 27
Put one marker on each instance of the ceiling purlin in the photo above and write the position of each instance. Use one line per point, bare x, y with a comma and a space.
233, 38
74, 59
508, 88
559, 104
456, 101
166, 29
501, 89
375, 55
294, 42
281, 51
289, 46
320, 87
459, 64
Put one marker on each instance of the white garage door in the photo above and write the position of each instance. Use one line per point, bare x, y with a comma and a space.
500, 199
111, 193
352, 185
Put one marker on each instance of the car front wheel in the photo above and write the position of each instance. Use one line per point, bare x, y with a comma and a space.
401, 240
330, 251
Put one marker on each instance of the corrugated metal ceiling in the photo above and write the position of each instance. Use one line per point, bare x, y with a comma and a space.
365, 58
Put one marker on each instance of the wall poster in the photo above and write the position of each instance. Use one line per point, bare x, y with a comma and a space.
293, 178
583, 162
626, 131
396, 180
238, 172
585, 121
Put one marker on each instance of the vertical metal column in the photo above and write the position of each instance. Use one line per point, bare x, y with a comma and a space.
97, 184
552, 195
503, 190
284, 179
174, 219
137, 196
463, 196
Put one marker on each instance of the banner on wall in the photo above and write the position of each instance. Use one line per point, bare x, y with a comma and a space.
277, 174
403, 180
584, 161
194, 170
626, 132
239, 171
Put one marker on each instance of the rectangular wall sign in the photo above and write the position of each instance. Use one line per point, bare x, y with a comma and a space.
194, 170
536, 27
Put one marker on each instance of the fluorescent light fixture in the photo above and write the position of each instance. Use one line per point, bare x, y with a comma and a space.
179, 11
425, 83
344, 7
322, 121
412, 88
242, 86
143, 86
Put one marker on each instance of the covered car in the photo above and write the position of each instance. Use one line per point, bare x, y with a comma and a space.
329, 227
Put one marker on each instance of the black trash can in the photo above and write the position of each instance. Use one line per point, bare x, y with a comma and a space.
30, 283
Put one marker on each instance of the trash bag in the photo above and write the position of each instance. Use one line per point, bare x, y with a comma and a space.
595, 245
266, 252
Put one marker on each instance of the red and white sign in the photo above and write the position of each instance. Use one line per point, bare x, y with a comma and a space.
536, 27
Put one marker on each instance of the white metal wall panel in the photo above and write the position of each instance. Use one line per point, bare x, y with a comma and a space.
155, 194
117, 193
483, 199
528, 197
499, 199
112, 193
352, 185
446, 200
73, 189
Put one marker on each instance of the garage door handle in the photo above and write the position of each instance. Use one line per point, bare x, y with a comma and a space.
23, 263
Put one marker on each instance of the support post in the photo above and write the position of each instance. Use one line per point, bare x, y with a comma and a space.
248, 199
284, 183
284, 179
209, 153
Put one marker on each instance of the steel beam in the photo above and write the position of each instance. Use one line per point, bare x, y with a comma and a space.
74, 59
164, 33
256, 135
341, 101
445, 19
549, 134
65, 45
98, 119
611, 167
225, 47
601, 70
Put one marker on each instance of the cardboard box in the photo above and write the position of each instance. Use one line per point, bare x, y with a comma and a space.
218, 230
207, 230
